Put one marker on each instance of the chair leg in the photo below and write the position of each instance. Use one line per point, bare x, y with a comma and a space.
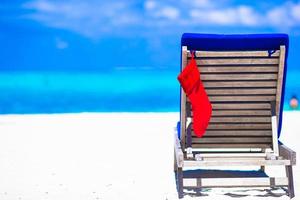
289, 173
263, 168
180, 182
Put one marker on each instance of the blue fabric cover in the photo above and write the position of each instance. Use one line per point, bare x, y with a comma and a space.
220, 42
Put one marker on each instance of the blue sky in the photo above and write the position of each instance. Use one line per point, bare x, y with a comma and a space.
124, 35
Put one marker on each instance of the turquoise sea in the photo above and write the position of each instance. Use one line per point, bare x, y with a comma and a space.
94, 91
61, 92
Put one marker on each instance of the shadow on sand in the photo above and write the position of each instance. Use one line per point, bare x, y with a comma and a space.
231, 192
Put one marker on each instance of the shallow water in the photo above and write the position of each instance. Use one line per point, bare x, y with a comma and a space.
60, 92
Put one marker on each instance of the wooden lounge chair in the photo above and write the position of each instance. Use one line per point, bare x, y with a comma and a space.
244, 77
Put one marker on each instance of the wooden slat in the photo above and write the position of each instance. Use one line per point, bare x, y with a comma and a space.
201, 54
241, 113
227, 150
240, 119
231, 155
235, 106
234, 182
238, 61
241, 98
239, 84
242, 69
237, 133
233, 158
215, 146
238, 126
224, 77
232, 99
232, 140
237, 162
239, 91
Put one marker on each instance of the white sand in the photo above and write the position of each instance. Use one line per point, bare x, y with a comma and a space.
103, 156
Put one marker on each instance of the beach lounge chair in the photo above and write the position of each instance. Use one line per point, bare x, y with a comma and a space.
244, 77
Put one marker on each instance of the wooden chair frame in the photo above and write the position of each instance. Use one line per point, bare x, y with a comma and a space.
186, 156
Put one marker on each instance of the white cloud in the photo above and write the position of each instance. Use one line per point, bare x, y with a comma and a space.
42, 6
149, 5
296, 12
95, 18
211, 17
61, 44
159, 10
242, 15
286, 15
168, 12
89, 19
247, 16
279, 17
283, 16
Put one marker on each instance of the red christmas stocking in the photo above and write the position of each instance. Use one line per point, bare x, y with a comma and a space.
192, 85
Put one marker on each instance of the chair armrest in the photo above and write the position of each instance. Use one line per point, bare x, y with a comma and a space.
287, 153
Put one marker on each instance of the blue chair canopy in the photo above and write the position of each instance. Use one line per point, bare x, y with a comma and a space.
214, 42
221, 42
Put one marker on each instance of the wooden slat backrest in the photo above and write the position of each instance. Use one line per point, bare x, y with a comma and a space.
240, 86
